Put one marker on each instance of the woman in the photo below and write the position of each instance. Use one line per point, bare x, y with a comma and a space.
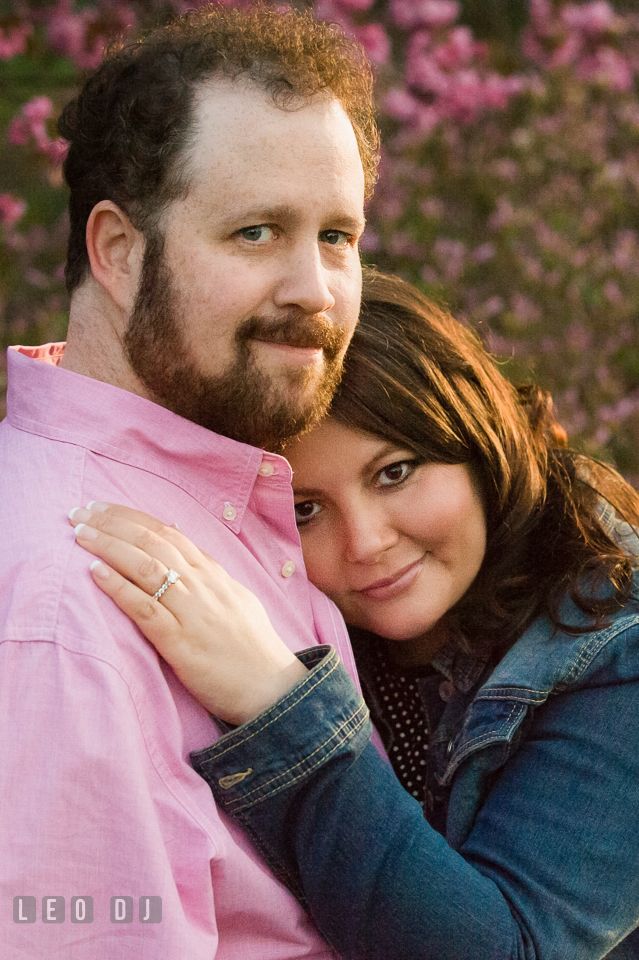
488, 577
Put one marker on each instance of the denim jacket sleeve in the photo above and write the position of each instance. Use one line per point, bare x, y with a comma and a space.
548, 870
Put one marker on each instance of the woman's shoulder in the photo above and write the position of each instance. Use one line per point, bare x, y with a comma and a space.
547, 660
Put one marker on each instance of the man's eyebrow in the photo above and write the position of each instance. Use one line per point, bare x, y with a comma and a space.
283, 213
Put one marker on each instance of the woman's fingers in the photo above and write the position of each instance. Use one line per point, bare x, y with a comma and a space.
154, 620
147, 571
139, 529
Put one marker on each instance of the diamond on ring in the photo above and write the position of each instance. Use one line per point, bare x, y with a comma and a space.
172, 576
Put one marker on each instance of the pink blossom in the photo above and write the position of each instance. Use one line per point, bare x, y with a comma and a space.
591, 18
369, 241
424, 73
424, 13
403, 245
483, 253
612, 292
355, 6
451, 254
492, 306
524, 309
503, 215
498, 90
37, 110
375, 41
460, 49
11, 209
67, 30
541, 14
14, 40
400, 105
56, 150
18, 133
31, 123
567, 52
500, 345
609, 67
433, 207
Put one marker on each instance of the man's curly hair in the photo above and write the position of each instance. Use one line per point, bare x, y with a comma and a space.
129, 128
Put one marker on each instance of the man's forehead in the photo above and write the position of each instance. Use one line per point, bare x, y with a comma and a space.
247, 154
239, 116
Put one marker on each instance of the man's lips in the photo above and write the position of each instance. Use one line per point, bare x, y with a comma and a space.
393, 586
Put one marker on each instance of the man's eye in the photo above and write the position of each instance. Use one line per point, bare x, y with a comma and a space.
305, 511
337, 238
259, 234
395, 473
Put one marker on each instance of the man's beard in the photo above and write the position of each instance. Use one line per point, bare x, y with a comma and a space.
242, 403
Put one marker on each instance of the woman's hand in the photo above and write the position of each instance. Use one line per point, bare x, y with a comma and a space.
212, 630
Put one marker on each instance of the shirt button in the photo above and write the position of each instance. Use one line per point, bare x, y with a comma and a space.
449, 748
288, 569
446, 690
266, 469
229, 512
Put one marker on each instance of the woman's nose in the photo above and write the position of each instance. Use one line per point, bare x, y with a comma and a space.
367, 535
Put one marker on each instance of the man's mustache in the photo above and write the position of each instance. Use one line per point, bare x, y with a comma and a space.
296, 330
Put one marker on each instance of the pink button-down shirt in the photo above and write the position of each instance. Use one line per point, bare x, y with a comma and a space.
98, 798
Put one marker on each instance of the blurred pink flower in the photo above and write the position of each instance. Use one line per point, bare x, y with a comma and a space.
503, 215
567, 52
31, 123
14, 40
369, 241
400, 105
355, 5
612, 292
424, 13
492, 306
524, 309
56, 150
459, 50
66, 30
11, 209
375, 41
591, 18
37, 110
609, 67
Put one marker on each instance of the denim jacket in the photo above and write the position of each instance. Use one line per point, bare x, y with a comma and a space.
541, 855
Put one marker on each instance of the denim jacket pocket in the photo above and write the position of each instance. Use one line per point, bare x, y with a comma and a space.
492, 732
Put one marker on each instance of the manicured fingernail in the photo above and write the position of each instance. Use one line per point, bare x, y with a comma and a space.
79, 513
100, 570
97, 506
83, 532
175, 525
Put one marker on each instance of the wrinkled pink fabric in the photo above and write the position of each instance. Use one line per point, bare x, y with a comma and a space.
98, 797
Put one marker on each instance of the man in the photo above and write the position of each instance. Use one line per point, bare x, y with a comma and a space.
217, 174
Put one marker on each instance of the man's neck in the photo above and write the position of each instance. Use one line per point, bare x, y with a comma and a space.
94, 344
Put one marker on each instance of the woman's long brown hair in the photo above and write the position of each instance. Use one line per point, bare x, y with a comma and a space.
415, 376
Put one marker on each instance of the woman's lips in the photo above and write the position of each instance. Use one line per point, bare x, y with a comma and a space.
391, 587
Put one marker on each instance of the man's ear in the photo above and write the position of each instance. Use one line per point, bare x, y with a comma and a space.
116, 251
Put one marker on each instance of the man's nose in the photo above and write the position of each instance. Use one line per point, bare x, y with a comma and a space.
367, 535
304, 281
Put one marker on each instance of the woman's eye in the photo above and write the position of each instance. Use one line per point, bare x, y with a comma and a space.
305, 511
394, 473
337, 238
259, 234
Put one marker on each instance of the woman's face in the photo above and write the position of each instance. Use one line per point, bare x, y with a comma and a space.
394, 542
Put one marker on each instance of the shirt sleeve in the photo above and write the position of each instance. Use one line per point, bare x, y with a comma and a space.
548, 870
84, 818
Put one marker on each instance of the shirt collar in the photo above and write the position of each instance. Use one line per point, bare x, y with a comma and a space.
49, 401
